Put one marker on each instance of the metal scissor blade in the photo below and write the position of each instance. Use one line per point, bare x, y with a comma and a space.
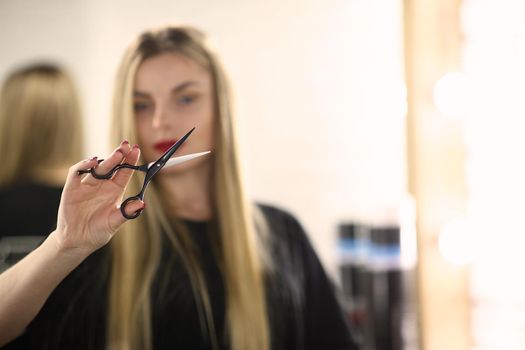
181, 159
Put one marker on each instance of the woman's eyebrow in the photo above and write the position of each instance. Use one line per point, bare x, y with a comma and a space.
140, 94
183, 86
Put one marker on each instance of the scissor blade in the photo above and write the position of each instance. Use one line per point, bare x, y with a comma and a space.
167, 155
181, 159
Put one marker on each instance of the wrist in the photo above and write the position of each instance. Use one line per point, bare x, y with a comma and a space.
60, 248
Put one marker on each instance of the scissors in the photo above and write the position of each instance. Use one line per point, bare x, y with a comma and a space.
150, 169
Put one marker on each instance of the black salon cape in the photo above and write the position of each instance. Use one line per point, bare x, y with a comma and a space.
303, 311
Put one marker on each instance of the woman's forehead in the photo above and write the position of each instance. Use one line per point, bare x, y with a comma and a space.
170, 67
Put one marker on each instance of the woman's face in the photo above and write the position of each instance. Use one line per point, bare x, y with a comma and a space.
173, 94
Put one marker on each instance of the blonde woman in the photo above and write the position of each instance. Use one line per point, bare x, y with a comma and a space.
40, 137
202, 268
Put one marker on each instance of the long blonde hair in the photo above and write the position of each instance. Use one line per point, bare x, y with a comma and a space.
136, 251
40, 122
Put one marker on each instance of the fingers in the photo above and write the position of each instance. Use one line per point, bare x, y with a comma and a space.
122, 177
116, 218
73, 179
114, 158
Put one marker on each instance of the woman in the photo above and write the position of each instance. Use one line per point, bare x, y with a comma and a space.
201, 268
40, 137
233, 252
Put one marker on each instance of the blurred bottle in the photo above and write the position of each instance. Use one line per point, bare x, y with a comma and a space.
385, 278
378, 287
353, 245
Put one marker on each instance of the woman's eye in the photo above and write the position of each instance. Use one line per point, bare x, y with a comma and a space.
186, 100
140, 106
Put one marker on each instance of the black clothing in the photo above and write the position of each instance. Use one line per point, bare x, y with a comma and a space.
29, 209
29, 213
302, 308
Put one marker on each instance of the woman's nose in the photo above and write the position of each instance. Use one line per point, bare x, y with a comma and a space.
160, 119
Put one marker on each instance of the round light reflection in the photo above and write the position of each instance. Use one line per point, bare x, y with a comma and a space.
456, 243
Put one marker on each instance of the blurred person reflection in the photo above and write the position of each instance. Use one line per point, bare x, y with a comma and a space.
40, 136
202, 267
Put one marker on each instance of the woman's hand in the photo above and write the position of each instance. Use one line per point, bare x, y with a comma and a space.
89, 216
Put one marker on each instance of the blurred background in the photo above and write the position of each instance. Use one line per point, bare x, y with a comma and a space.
392, 129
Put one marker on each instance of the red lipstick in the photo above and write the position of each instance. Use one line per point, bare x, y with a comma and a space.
164, 145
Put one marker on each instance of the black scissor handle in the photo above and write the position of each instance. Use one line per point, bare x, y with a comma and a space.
126, 202
110, 173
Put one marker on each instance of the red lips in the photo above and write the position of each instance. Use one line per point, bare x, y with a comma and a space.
163, 146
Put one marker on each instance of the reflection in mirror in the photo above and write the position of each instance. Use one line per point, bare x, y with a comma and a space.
319, 98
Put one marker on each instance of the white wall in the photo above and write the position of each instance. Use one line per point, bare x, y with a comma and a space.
318, 86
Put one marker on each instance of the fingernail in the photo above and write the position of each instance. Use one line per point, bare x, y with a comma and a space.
135, 146
93, 158
124, 142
